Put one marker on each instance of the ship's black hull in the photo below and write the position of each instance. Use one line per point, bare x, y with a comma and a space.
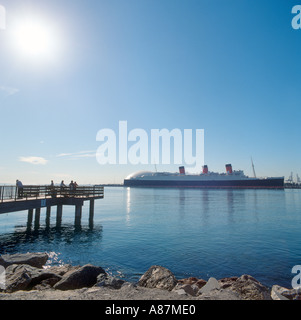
257, 183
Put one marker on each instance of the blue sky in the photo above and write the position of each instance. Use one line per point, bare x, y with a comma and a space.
230, 67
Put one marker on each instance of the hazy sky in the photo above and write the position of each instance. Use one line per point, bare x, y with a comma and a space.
69, 68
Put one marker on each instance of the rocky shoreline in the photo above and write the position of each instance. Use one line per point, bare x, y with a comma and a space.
27, 278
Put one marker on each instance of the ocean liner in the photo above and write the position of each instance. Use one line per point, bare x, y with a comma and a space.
206, 179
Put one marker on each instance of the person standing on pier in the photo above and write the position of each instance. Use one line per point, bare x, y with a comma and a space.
19, 185
52, 190
71, 187
74, 187
62, 187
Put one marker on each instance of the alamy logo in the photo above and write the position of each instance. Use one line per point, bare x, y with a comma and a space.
296, 21
156, 149
2, 18
296, 282
2, 278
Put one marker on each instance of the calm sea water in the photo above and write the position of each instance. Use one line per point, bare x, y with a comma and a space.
192, 232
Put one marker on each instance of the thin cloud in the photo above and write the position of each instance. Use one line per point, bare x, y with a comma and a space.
86, 155
34, 160
78, 155
9, 91
64, 154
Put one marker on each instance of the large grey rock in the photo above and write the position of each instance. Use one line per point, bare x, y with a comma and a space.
227, 282
192, 280
105, 280
281, 293
191, 289
189, 286
24, 277
82, 277
63, 269
37, 260
17, 278
247, 287
212, 284
158, 277
220, 294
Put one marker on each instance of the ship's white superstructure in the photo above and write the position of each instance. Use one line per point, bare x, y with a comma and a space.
148, 175
231, 178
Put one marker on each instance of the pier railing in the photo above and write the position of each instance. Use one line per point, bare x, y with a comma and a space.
13, 193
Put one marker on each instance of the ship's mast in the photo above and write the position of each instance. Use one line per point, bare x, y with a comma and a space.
290, 178
253, 168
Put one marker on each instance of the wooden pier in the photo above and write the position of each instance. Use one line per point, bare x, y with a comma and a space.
34, 198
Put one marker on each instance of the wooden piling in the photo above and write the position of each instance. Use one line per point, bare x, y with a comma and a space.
37, 217
91, 213
29, 217
59, 213
78, 215
48, 212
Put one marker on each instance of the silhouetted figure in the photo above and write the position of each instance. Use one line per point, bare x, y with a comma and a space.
19, 185
71, 187
52, 189
62, 188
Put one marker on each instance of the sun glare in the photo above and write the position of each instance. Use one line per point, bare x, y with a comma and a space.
36, 39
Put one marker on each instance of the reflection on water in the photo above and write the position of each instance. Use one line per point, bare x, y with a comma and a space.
128, 204
182, 197
206, 200
25, 237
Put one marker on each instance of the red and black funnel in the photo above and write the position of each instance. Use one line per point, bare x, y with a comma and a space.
229, 168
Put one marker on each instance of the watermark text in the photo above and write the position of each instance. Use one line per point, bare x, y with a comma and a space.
296, 281
296, 21
160, 146
2, 278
